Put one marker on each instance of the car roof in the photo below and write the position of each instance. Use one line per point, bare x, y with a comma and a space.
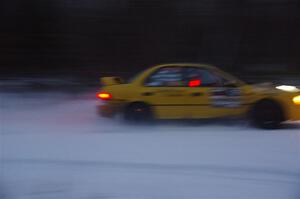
186, 65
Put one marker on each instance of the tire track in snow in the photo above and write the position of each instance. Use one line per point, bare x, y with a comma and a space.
245, 173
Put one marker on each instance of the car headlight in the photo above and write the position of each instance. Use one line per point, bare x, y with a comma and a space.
288, 88
296, 100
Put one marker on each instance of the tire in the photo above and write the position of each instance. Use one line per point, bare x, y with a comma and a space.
267, 114
138, 112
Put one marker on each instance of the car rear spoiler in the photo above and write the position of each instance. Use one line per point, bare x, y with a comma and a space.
108, 81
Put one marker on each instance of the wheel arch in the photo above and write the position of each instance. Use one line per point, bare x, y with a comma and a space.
135, 102
268, 100
138, 102
138, 111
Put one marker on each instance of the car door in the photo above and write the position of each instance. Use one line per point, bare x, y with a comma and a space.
164, 90
210, 96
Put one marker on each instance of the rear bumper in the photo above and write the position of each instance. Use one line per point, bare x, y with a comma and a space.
106, 110
294, 113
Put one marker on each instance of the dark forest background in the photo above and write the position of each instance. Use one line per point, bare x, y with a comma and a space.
96, 37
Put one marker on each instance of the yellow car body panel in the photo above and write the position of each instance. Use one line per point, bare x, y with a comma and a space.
193, 102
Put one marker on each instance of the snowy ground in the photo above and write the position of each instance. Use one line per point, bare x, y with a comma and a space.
54, 146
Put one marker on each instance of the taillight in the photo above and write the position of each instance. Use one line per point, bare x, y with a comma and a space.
104, 96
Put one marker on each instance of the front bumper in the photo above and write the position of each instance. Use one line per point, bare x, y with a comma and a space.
295, 113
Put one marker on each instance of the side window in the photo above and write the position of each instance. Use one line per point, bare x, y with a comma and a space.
167, 76
198, 77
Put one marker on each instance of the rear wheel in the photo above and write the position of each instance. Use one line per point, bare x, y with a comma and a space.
138, 112
267, 114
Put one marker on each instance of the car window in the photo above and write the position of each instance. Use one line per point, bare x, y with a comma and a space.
199, 77
167, 76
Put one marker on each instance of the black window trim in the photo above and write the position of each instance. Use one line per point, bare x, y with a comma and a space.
201, 68
155, 71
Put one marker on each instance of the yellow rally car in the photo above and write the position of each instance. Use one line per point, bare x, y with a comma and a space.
194, 91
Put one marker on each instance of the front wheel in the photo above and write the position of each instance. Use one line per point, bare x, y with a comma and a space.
138, 112
267, 114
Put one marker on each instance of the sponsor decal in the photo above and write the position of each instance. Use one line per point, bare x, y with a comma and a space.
226, 97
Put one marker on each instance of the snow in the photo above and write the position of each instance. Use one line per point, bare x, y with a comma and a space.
54, 145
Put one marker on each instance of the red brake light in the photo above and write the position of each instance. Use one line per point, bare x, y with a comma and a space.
104, 95
194, 83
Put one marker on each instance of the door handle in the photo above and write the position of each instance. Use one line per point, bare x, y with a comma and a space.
170, 90
196, 94
147, 93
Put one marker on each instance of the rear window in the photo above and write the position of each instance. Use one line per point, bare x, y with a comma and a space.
168, 76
